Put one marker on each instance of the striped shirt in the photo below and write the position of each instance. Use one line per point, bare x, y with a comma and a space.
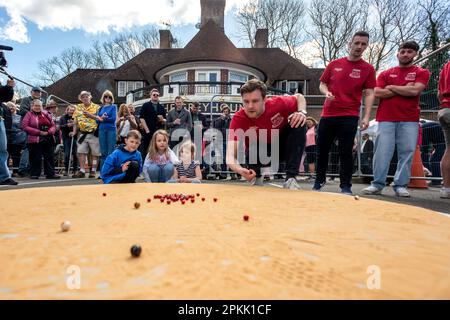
188, 172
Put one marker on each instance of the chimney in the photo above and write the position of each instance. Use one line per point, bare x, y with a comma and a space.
165, 39
213, 10
262, 38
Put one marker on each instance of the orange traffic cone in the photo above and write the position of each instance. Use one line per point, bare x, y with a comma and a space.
417, 171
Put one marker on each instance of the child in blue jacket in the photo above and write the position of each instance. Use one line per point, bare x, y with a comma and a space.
125, 164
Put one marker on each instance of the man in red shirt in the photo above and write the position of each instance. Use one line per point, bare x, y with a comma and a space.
444, 119
272, 130
398, 112
343, 83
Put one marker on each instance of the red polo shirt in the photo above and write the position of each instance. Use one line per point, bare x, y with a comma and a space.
346, 80
399, 108
444, 85
275, 116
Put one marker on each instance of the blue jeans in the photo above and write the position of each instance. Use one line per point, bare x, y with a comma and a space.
402, 135
4, 171
107, 140
160, 173
24, 165
175, 181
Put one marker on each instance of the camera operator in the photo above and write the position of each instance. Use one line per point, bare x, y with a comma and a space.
6, 94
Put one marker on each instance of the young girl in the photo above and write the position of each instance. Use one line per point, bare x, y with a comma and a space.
188, 170
160, 160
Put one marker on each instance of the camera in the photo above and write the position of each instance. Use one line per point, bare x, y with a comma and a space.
3, 62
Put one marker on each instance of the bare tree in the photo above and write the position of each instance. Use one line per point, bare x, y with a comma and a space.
97, 57
102, 55
436, 26
333, 24
72, 59
284, 20
392, 22
48, 71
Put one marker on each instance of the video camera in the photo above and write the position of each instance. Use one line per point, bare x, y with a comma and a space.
3, 62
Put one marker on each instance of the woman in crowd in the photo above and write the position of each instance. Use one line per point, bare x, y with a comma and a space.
39, 126
18, 137
66, 123
106, 119
125, 122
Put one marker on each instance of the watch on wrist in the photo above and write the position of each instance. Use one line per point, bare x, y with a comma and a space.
303, 111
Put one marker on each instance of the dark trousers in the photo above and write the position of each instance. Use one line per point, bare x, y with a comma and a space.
131, 174
292, 143
14, 151
39, 151
66, 142
344, 129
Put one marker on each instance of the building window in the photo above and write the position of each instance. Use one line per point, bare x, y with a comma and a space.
238, 77
207, 76
282, 85
125, 86
210, 76
292, 86
178, 77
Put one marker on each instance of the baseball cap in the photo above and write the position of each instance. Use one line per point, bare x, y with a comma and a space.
36, 88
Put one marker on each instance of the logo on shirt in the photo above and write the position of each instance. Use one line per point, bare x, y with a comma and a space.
338, 69
411, 76
277, 120
356, 74
393, 76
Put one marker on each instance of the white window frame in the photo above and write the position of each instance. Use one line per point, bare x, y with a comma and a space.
280, 85
125, 86
235, 88
178, 74
205, 89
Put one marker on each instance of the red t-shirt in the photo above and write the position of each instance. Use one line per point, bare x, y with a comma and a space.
346, 80
444, 85
275, 116
399, 108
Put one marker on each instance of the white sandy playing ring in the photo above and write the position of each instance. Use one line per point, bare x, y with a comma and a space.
295, 245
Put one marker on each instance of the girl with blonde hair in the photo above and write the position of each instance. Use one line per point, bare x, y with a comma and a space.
160, 160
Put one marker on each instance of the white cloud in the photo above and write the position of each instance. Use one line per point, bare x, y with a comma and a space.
15, 29
96, 16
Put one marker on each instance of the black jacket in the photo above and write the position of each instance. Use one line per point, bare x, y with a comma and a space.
222, 124
6, 93
150, 116
65, 130
201, 117
5, 113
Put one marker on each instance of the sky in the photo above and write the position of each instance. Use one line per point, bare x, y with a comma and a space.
40, 29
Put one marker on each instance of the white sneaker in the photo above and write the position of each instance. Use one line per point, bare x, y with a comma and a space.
445, 194
402, 192
257, 181
291, 184
371, 190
